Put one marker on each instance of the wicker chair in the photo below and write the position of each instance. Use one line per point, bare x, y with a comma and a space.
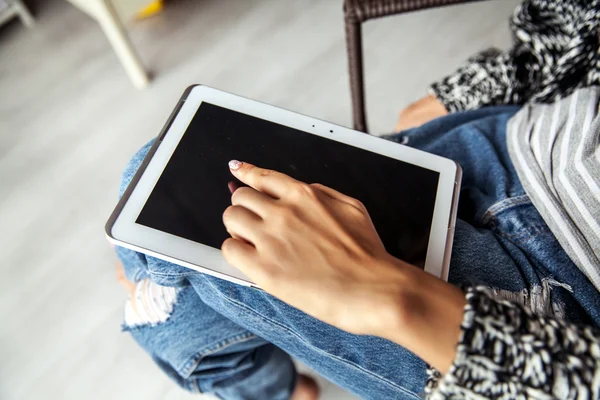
355, 13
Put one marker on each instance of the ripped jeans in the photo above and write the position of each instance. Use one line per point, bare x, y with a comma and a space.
210, 335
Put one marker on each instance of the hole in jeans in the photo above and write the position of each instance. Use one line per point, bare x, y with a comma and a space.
538, 298
149, 304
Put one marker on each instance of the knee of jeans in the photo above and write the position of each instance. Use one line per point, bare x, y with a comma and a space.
138, 266
134, 264
133, 165
266, 373
241, 370
191, 342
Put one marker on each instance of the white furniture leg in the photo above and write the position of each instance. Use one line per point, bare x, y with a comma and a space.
117, 36
23, 13
15, 8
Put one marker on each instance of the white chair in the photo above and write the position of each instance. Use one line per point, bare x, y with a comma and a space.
10, 9
112, 16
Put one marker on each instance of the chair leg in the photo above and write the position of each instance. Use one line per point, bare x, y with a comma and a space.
24, 14
355, 66
117, 36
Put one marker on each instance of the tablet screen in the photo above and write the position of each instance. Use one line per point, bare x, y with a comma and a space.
191, 194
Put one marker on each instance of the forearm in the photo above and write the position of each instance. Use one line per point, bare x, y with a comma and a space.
483, 346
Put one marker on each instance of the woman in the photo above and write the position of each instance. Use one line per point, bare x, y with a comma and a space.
523, 328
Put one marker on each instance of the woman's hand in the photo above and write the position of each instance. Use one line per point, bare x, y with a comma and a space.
318, 250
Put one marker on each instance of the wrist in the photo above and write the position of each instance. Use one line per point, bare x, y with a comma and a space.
424, 315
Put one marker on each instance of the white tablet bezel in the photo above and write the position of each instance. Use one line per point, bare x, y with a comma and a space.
125, 232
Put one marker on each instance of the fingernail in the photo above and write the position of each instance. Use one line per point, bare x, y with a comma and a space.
235, 164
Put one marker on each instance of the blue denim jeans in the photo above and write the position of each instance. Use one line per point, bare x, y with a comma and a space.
236, 341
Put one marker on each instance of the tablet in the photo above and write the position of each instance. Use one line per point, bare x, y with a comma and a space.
173, 207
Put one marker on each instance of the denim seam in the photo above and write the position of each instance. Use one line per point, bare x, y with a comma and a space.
193, 363
139, 275
531, 232
193, 386
394, 385
168, 275
504, 205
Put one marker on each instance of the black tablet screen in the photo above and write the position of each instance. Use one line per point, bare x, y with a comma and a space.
192, 192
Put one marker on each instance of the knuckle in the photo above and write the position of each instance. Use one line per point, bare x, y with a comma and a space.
246, 171
235, 196
302, 190
263, 175
356, 214
239, 194
308, 189
247, 168
229, 211
317, 186
359, 204
266, 172
226, 247
228, 250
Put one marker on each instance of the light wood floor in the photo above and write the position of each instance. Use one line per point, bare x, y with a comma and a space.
69, 120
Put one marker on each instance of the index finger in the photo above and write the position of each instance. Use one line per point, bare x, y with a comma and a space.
273, 183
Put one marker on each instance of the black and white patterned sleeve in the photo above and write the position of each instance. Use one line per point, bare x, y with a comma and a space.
554, 51
487, 79
507, 352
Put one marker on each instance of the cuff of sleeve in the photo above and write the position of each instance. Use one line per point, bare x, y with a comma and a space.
484, 80
459, 381
443, 94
